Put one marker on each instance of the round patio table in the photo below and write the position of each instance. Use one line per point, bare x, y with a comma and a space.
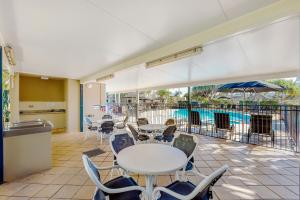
152, 127
151, 160
100, 121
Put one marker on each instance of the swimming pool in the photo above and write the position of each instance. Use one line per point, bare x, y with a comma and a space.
208, 115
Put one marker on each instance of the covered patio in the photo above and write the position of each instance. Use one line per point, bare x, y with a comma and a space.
255, 172
62, 138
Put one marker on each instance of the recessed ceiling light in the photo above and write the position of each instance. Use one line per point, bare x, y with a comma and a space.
44, 77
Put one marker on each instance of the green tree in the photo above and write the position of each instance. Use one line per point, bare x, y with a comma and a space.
164, 94
177, 93
203, 93
291, 89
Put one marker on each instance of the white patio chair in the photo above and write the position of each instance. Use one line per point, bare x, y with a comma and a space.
186, 143
187, 190
120, 188
119, 141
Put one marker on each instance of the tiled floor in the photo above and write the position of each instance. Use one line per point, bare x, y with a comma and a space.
255, 172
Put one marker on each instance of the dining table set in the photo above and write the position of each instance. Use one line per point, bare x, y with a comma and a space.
151, 157
151, 160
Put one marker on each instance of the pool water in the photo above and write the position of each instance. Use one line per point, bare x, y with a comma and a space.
208, 115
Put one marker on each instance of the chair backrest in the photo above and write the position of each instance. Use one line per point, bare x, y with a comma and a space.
88, 121
133, 132
107, 126
169, 131
261, 124
170, 122
142, 121
119, 141
106, 116
94, 175
222, 120
195, 118
186, 143
126, 119
202, 191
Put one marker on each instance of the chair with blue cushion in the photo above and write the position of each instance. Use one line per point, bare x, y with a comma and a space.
186, 143
119, 141
122, 124
106, 116
92, 127
185, 190
167, 135
137, 136
120, 188
105, 129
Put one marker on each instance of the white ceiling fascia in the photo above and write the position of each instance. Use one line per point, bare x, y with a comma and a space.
246, 22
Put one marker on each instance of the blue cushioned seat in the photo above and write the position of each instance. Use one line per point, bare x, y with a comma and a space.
189, 166
121, 182
184, 188
168, 138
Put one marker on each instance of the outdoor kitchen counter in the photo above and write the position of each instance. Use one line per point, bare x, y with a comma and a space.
27, 149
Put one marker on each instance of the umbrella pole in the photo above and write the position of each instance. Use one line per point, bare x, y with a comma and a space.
243, 111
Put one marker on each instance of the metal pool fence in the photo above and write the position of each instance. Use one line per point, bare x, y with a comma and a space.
276, 126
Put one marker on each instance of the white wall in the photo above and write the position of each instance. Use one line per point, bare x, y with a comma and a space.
93, 94
72, 98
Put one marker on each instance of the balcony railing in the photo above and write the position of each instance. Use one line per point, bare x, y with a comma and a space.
276, 126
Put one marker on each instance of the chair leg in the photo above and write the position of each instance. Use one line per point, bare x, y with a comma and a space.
177, 177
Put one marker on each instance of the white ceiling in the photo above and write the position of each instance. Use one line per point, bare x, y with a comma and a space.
74, 38
264, 51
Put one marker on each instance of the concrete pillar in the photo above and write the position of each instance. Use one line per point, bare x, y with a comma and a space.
72, 99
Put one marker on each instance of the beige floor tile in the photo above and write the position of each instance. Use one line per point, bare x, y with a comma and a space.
284, 192
62, 179
205, 171
163, 180
266, 180
8, 189
213, 163
18, 198
67, 191
233, 180
48, 191
249, 180
283, 180
38, 198
295, 189
142, 181
41, 178
264, 192
29, 190
85, 192
254, 170
231, 192
72, 170
78, 180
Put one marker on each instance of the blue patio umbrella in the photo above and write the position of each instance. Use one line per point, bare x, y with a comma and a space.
251, 86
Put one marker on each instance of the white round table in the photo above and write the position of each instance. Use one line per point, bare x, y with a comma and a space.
101, 121
151, 160
152, 127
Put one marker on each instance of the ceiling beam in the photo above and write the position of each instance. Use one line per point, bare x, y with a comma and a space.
261, 77
257, 18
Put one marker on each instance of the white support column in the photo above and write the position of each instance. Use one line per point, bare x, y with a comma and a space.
137, 103
72, 99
